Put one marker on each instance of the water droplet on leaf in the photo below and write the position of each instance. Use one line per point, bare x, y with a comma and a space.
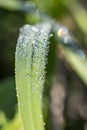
27, 75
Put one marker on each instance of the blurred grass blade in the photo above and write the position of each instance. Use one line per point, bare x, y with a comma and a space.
31, 52
78, 64
79, 13
14, 124
8, 96
10, 4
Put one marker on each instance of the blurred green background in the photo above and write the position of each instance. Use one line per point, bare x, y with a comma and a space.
70, 72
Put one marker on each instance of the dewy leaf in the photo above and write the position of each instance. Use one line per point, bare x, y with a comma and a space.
31, 52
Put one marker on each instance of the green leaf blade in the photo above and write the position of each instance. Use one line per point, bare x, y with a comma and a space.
30, 69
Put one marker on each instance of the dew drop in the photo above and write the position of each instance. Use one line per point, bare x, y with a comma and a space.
35, 29
29, 6
51, 35
38, 13
17, 95
27, 75
81, 53
44, 123
36, 72
21, 105
39, 78
40, 115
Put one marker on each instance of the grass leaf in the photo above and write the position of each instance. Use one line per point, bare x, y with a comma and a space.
31, 52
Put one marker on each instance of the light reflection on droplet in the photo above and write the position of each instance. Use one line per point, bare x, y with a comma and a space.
62, 31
